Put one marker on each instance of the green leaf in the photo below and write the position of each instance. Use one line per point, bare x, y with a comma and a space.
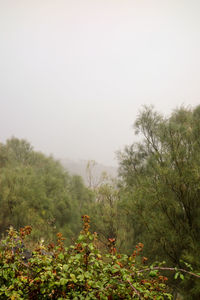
176, 275
73, 277
61, 256
65, 267
80, 277
81, 237
63, 281
153, 273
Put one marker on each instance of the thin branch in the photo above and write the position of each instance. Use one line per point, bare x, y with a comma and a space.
169, 269
136, 291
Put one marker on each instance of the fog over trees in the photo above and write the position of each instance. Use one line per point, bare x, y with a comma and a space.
154, 200
100, 117
75, 73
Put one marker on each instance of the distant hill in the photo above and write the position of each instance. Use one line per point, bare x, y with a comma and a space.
80, 168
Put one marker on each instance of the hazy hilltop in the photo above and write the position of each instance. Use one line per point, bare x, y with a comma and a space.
80, 168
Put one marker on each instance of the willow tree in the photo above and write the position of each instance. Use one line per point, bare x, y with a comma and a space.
161, 182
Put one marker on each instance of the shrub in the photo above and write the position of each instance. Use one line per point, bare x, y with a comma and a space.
80, 271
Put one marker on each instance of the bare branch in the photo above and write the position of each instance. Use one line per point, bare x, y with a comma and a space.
169, 269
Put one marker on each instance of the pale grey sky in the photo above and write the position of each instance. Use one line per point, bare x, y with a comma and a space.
74, 73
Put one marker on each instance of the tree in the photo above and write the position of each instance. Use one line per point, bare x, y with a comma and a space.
160, 178
107, 215
36, 190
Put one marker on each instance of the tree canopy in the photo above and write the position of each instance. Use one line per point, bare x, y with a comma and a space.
161, 183
155, 201
36, 190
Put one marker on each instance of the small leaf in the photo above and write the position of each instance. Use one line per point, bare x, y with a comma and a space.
73, 277
63, 281
61, 256
153, 273
176, 275
81, 237
65, 267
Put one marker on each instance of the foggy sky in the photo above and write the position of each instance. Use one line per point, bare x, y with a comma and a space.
75, 73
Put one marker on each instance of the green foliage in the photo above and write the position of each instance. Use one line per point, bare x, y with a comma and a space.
160, 187
80, 271
107, 216
156, 202
36, 190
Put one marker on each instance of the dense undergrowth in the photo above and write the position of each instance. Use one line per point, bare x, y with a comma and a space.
80, 271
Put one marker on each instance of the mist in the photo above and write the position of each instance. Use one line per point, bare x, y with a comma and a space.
74, 74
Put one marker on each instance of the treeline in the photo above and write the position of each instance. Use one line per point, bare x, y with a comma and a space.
155, 200
36, 190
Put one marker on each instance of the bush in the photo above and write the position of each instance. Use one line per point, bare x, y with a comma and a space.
80, 271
